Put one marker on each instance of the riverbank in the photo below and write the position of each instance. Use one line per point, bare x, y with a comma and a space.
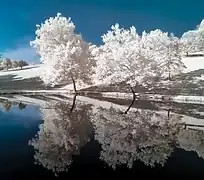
151, 97
192, 114
113, 95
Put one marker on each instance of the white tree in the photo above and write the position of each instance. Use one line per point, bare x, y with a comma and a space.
173, 63
126, 56
65, 131
65, 54
6, 63
15, 64
193, 40
165, 49
120, 58
48, 153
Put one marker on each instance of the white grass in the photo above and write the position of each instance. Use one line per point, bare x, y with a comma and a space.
70, 87
192, 120
35, 92
27, 72
55, 91
189, 99
157, 97
193, 63
32, 71
200, 78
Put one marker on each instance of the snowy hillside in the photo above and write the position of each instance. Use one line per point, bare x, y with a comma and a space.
25, 79
27, 72
31, 71
193, 63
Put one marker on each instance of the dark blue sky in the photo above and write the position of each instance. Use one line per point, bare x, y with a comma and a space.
92, 18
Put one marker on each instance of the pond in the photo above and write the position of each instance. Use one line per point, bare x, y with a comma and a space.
59, 136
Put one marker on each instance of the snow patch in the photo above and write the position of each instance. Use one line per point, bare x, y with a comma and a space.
189, 99
193, 63
200, 78
79, 86
27, 72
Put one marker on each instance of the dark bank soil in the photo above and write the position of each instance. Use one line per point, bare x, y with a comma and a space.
184, 84
8, 82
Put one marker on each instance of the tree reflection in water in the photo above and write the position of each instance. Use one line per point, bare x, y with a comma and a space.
21, 106
192, 140
64, 132
7, 104
145, 135
141, 135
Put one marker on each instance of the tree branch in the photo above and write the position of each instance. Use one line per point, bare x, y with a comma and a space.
126, 66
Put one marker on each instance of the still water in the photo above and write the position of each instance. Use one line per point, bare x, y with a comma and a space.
56, 137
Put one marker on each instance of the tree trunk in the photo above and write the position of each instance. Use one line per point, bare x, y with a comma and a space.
73, 104
169, 75
74, 84
169, 110
169, 79
133, 100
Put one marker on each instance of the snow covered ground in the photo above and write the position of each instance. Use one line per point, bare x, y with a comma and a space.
156, 97
32, 71
193, 63
189, 99
27, 72
54, 91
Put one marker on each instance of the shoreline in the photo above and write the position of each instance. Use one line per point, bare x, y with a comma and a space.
115, 95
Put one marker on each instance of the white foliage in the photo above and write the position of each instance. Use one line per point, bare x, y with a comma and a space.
126, 56
192, 140
165, 50
118, 59
141, 135
61, 136
14, 64
63, 52
6, 63
193, 40
145, 135
49, 154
